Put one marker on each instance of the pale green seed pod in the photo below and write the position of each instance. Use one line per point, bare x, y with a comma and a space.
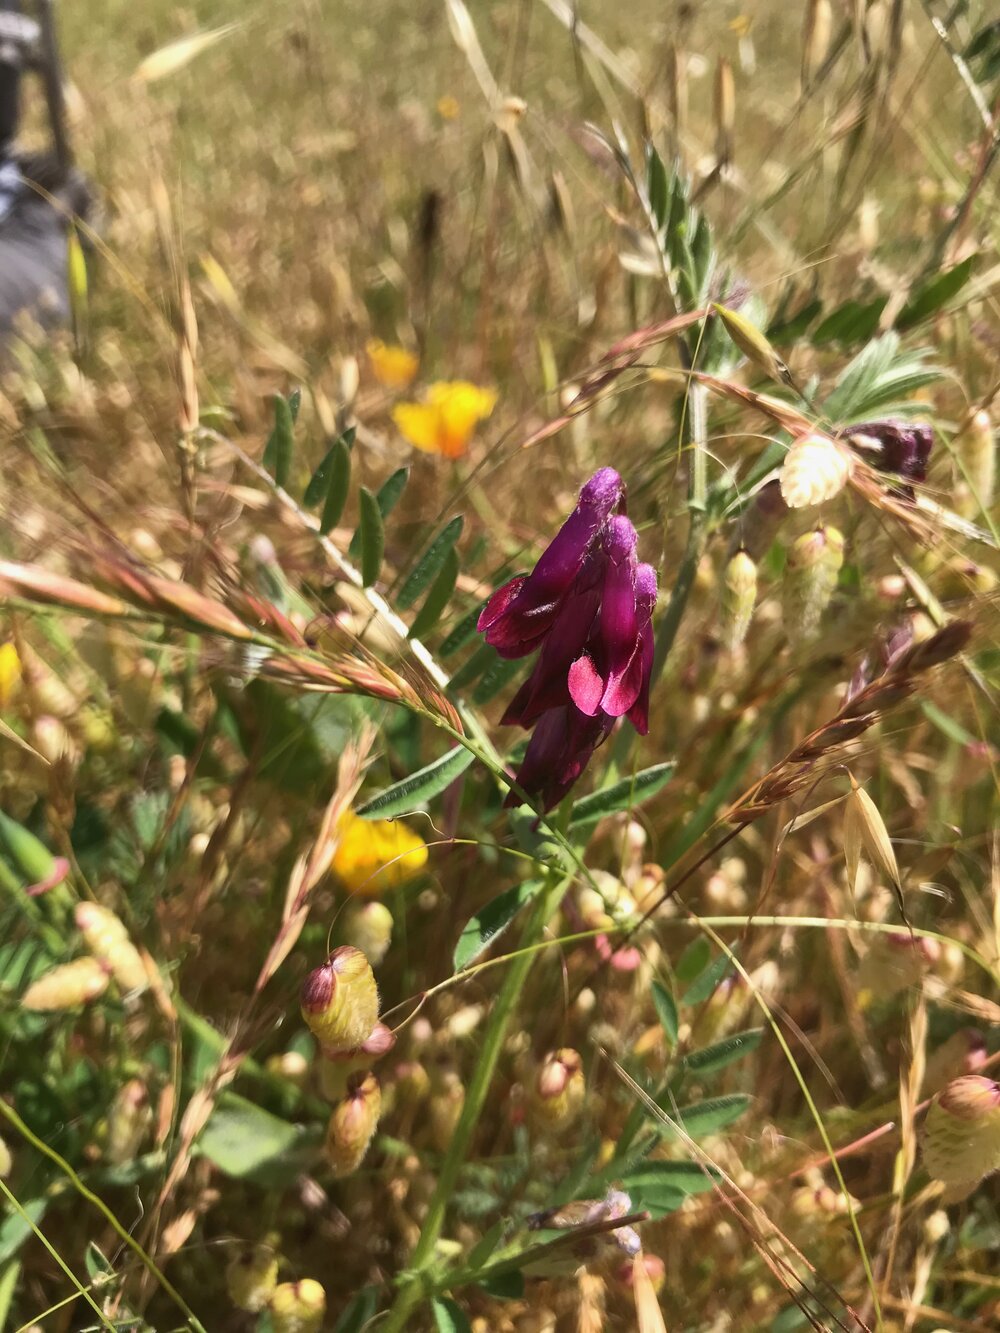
368, 927
962, 1131
336, 1067
559, 1090
108, 940
252, 1278
978, 451
816, 468
340, 1000
6, 1161
814, 562
129, 1122
298, 1307
353, 1123
67, 987
739, 594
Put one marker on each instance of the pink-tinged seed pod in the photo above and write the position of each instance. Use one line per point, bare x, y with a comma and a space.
814, 562
336, 1067
559, 1090
129, 1122
340, 1000
252, 1278
962, 1131
368, 927
298, 1307
67, 987
739, 595
353, 1123
108, 940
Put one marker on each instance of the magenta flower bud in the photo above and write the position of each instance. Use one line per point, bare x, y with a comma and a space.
340, 1000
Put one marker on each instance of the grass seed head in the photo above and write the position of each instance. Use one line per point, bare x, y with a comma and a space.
816, 469
353, 1123
814, 562
107, 939
739, 594
962, 1131
340, 1000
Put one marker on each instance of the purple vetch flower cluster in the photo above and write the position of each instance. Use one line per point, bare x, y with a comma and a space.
902, 448
587, 606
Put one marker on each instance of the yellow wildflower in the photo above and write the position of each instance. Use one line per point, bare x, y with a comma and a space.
375, 855
394, 367
10, 673
444, 423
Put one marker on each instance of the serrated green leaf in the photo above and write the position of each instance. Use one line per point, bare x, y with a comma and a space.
496, 676
704, 986
449, 1317
666, 1011
490, 921
935, 293
371, 537
387, 497
413, 793
281, 442
708, 1116
430, 562
624, 795
437, 598
338, 486
715, 1057
464, 632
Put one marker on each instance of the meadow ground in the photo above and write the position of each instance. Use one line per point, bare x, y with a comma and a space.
358, 271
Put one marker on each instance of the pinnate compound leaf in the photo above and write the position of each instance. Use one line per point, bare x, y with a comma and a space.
437, 598
281, 441
371, 535
386, 499
414, 792
430, 562
715, 1057
491, 921
623, 795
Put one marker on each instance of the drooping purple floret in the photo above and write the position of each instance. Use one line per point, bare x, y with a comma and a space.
588, 606
519, 615
900, 447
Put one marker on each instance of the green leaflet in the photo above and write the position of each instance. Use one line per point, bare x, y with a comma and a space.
623, 795
491, 921
430, 562
413, 793
371, 536
281, 442
437, 598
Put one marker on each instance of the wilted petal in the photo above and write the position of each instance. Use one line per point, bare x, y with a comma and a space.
516, 624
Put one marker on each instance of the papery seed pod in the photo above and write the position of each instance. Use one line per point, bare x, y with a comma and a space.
977, 449
67, 987
353, 1123
559, 1090
816, 468
107, 938
739, 594
129, 1122
340, 1000
445, 1107
368, 927
298, 1307
252, 1278
412, 1082
336, 1067
814, 562
962, 1131
6, 1161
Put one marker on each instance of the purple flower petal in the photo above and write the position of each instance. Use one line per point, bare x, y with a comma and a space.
899, 447
516, 622
642, 662
619, 633
586, 685
559, 750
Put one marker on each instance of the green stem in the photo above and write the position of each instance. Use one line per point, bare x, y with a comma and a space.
412, 1290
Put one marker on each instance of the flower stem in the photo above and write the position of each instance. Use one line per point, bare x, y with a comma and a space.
412, 1288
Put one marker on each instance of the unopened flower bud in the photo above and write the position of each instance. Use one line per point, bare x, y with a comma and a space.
336, 1067
815, 469
353, 1123
368, 927
559, 1089
67, 987
252, 1278
298, 1307
129, 1121
340, 1000
962, 1131
814, 562
108, 940
977, 449
739, 593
